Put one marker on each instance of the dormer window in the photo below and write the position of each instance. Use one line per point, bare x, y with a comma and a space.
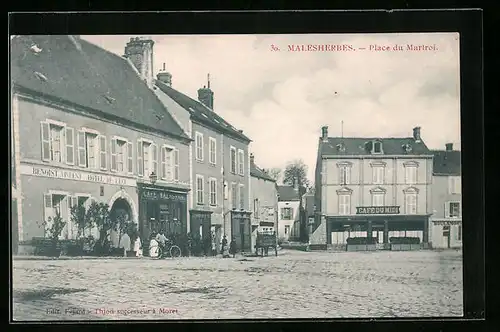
341, 147
377, 147
407, 148
374, 147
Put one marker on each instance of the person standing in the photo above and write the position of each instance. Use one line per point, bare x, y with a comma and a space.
232, 247
225, 251
125, 244
214, 245
138, 245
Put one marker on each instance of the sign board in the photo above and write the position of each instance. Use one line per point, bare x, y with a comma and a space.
76, 175
162, 195
377, 210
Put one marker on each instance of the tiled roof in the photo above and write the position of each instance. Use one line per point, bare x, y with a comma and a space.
447, 162
288, 193
80, 73
356, 146
255, 171
200, 112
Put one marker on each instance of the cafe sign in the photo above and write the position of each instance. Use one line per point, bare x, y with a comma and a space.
76, 175
162, 195
377, 210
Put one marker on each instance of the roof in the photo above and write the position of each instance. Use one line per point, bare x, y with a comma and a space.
356, 146
77, 72
287, 193
446, 162
200, 112
257, 172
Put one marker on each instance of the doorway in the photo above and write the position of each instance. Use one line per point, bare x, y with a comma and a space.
446, 237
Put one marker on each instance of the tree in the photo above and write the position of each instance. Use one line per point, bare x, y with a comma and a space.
275, 173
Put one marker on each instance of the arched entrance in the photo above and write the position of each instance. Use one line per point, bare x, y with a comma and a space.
120, 213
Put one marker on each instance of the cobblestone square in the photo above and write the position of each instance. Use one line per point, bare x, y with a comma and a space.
293, 285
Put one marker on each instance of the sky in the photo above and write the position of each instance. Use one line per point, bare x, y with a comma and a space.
281, 99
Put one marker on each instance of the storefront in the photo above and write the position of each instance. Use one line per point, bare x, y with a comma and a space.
241, 230
162, 209
446, 233
381, 223
201, 223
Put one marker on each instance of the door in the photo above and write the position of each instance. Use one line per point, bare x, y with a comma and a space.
446, 236
242, 234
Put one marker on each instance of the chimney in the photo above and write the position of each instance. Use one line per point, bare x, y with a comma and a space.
252, 158
140, 53
206, 96
324, 134
449, 146
164, 76
416, 134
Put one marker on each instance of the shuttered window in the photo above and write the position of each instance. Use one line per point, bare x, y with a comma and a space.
103, 152
130, 158
70, 146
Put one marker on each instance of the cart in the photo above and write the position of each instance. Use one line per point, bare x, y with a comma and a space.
266, 240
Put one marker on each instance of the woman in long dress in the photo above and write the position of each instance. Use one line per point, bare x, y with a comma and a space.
153, 247
125, 244
138, 247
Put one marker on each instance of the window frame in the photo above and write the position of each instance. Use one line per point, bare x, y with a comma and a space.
241, 162
200, 190
212, 151
167, 150
199, 147
233, 160
213, 181
448, 210
411, 166
347, 205
408, 195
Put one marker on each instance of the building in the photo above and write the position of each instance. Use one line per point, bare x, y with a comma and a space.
289, 213
308, 204
219, 162
87, 128
372, 187
265, 201
446, 220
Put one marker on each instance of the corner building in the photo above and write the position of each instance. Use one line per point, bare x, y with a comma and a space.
87, 128
371, 187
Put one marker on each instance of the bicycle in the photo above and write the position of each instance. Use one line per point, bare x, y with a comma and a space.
158, 251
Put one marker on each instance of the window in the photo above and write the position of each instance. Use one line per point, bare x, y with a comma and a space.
233, 160
378, 199
88, 149
459, 233
455, 184
199, 189
377, 147
130, 158
256, 208
57, 143
212, 149
176, 165
213, 192
286, 213
167, 163
147, 158
58, 203
344, 204
378, 174
411, 173
411, 203
234, 197
287, 229
242, 197
241, 162
344, 173
119, 155
199, 146
452, 210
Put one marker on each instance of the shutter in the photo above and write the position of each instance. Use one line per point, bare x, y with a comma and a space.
70, 146
45, 132
130, 157
163, 152
82, 153
447, 209
103, 155
73, 202
154, 156
176, 165
47, 212
140, 163
113, 154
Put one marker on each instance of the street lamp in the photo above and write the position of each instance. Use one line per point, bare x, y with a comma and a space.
153, 177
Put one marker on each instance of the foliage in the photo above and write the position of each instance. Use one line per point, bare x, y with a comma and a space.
120, 224
275, 173
296, 172
98, 215
57, 225
361, 240
78, 217
404, 240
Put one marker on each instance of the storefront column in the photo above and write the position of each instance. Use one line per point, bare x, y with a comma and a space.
328, 231
386, 231
369, 229
425, 238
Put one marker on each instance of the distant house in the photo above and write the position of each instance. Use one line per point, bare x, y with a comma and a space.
87, 128
289, 213
265, 201
376, 187
446, 221
308, 204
